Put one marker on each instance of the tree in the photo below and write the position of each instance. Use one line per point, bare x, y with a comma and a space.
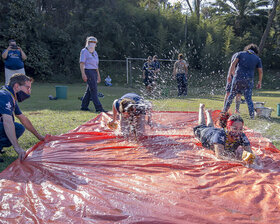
240, 11
268, 26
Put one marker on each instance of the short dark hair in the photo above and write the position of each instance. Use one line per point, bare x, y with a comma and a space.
252, 47
20, 79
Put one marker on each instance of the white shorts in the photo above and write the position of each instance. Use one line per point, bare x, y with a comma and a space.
9, 73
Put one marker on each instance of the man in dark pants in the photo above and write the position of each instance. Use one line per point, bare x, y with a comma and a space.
19, 89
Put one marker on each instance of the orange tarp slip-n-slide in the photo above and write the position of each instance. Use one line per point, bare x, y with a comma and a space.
91, 175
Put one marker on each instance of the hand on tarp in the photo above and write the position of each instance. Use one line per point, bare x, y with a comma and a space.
21, 153
112, 125
248, 157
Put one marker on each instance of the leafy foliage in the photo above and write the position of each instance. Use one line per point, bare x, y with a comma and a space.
53, 32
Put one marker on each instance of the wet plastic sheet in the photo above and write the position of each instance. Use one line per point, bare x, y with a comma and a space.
90, 175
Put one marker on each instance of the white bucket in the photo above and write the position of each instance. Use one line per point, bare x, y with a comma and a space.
263, 112
259, 104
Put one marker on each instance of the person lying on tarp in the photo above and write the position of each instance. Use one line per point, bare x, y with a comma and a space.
132, 110
18, 90
224, 142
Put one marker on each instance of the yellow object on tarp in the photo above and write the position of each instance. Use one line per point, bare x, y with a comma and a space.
248, 157
92, 175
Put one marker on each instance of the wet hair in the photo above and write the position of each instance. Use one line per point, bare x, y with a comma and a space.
20, 79
252, 47
180, 56
223, 117
235, 117
150, 58
126, 105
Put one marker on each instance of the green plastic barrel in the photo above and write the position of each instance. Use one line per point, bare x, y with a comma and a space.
61, 92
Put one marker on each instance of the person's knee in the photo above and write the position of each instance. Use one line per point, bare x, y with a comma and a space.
19, 128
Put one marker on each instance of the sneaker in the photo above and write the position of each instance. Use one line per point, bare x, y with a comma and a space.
85, 109
100, 95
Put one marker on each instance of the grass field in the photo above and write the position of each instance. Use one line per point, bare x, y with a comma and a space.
59, 116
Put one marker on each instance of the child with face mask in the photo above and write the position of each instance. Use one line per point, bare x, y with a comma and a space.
224, 142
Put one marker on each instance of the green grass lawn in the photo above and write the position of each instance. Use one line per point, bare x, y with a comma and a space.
59, 116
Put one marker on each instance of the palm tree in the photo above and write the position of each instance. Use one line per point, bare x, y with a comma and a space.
240, 11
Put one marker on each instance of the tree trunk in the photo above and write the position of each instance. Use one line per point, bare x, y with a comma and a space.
268, 26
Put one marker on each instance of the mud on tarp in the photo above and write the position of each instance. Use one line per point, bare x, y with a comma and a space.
90, 175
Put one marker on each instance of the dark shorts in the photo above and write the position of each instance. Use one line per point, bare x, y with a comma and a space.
199, 132
149, 81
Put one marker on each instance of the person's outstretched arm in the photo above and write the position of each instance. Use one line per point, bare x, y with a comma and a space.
28, 125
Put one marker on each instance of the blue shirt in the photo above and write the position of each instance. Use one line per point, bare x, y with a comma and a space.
91, 60
148, 68
156, 65
8, 105
13, 60
248, 62
211, 135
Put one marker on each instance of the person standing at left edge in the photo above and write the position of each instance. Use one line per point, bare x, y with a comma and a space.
90, 74
18, 90
13, 58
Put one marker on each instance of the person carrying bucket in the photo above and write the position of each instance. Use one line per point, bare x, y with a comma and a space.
224, 142
133, 110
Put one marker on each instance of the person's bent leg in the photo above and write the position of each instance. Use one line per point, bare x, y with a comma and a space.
201, 118
4, 140
209, 118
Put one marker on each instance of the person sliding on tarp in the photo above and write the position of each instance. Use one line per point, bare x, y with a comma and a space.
133, 110
224, 142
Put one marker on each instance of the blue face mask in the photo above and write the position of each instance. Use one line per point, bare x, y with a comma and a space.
21, 96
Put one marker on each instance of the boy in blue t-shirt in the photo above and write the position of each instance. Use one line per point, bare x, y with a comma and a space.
223, 142
242, 69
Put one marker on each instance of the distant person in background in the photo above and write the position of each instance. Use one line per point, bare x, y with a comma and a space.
18, 90
90, 74
228, 88
108, 81
242, 69
156, 66
13, 58
180, 71
148, 74
133, 110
